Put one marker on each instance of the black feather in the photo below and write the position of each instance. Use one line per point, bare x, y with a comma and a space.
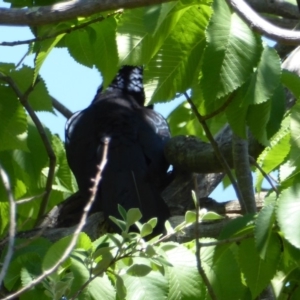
136, 169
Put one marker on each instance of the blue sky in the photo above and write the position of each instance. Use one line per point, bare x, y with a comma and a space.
72, 84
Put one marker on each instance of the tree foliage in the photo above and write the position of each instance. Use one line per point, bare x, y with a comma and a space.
229, 75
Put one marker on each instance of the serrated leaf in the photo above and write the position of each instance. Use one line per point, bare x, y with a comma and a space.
152, 286
263, 229
258, 272
77, 43
45, 48
184, 279
176, 65
99, 288
288, 214
274, 155
105, 54
217, 271
265, 80
39, 98
232, 52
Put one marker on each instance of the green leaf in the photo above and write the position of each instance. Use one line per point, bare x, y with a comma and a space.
190, 217
232, 52
265, 80
146, 230
120, 288
257, 119
292, 82
237, 226
133, 215
138, 270
273, 155
105, 55
177, 63
151, 286
181, 120
64, 179
152, 222
288, 214
295, 136
45, 48
236, 113
263, 229
13, 121
119, 223
218, 274
211, 216
55, 253
98, 288
39, 99
259, 272
77, 43
122, 212
84, 242
184, 279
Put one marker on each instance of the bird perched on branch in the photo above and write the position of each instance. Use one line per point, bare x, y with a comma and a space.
136, 170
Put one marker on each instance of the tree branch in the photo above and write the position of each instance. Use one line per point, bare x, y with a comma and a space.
66, 10
262, 26
12, 224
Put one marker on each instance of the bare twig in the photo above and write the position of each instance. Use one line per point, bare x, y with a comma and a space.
47, 144
12, 223
198, 254
61, 108
73, 242
26, 200
266, 176
227, 241
66, 31
215, 146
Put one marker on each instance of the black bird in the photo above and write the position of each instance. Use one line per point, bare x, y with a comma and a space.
136, 171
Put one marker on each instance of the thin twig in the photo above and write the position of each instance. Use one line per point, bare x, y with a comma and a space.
76, 233
12, 224
215, 146
26, 200
266, 176
66, 31
23, 98
198, 254
61, 108
220, 109
227, 241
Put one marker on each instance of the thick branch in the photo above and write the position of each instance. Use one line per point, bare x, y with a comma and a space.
66, 10
193, 155
263, 27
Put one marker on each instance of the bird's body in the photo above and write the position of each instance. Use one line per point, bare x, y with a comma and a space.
136, 169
